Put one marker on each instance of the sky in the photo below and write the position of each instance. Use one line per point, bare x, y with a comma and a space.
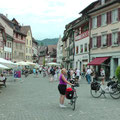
47, 18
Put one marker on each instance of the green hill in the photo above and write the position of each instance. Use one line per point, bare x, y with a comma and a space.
48, 41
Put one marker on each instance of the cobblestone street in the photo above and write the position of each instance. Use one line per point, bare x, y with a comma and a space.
38, 99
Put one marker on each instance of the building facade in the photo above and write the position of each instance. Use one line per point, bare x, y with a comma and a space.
81, 37
28, 43
105, 34
19, 39
8, 44
34, 51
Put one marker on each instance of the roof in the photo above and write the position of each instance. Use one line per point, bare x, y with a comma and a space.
51, 47
42, 48
25, 29
1, 27
108, 3
34, 41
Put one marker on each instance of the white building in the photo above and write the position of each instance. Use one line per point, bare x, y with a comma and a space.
59, 50
81, 37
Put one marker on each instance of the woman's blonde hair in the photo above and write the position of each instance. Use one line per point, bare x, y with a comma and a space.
63, 71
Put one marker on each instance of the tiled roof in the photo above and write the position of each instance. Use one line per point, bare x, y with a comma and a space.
25, 29
51, 47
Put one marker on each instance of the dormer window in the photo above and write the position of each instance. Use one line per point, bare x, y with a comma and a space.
102, 2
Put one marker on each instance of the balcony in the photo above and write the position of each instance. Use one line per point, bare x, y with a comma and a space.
82, 36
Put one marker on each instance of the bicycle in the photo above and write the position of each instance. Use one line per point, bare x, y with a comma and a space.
112, 88
74, 97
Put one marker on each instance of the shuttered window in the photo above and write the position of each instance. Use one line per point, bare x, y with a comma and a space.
103, 19
114, 16
104, 40
115, 38
94, 42
94, 22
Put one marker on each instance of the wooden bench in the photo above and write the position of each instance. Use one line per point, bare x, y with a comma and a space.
3, 82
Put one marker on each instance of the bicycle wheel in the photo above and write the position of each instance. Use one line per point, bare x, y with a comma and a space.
74, 103
95, 93
115, 94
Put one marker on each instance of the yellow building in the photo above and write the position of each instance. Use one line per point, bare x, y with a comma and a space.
28, 43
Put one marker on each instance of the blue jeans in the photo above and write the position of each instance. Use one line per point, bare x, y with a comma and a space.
88, 78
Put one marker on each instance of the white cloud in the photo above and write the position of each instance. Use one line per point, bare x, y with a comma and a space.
38, 12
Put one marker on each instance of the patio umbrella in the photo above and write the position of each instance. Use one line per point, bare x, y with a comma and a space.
7, 63
22, 63
3, 67
30, 63
53, 64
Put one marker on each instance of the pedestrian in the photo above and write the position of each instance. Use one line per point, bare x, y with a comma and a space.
62, 86
88, 75
68, 74
37, 72
40, 70
34, 71
52, 72
102, 73
77, 74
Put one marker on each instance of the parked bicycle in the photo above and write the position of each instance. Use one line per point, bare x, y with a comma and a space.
71, 94
112, 88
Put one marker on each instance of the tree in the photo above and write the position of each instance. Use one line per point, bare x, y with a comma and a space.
117, 72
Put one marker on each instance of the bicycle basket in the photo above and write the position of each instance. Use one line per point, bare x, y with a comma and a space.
95, 86
69, 93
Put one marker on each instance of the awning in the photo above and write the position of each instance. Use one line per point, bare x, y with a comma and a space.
98, 61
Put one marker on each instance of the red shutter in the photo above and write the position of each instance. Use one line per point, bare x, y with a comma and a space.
90, 43
99, 21
110, 17
90, 23
119, 14
99, 41
110, 39
107, 17
118, 37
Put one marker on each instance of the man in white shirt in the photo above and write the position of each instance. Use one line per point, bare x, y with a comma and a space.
89, 71
77, 74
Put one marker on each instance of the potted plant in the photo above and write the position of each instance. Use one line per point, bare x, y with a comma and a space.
117, 72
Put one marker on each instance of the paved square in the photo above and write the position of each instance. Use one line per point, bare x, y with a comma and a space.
38, 99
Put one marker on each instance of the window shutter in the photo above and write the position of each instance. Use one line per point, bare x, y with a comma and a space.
119, 14
107, 17
99, 21
110, 17
90, 43
99, 41
90, 23
110, 39
118, 37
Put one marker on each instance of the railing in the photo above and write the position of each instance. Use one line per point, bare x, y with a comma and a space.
82, 36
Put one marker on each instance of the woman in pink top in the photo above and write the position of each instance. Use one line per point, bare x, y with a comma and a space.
62, 86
